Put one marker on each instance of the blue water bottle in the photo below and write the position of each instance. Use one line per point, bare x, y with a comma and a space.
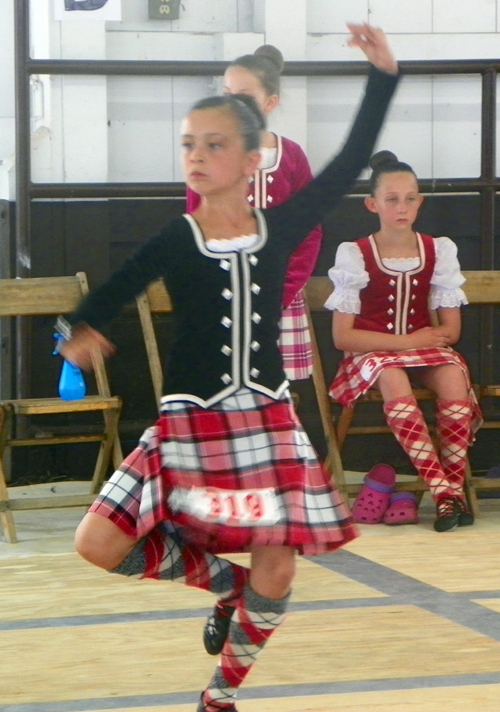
71, 383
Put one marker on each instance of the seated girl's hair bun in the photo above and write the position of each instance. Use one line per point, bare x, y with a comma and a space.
384, 162
271, 53
382, 158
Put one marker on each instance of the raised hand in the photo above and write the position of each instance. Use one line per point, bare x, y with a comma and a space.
78, 350
373, 42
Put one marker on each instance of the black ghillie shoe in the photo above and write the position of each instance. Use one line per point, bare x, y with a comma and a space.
213, 706
448, 512
465, 518
217, 628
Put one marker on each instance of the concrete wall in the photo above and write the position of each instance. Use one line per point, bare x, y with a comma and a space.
126, 129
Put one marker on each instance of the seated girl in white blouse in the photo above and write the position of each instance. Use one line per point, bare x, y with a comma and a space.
384, 285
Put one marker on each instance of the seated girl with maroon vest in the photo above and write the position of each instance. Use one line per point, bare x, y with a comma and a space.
384, 285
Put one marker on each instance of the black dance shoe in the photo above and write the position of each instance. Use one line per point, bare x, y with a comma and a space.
465, 518
217, 628
447, 514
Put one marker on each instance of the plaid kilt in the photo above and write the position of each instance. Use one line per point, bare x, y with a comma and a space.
295, 340
242, 473
358, 372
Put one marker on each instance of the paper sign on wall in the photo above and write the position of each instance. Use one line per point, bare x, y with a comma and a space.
85, 10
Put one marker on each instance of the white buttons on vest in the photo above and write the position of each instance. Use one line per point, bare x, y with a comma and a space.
392, 282
391, 297
253, 260
227, 293
415, 282
226, 350
255, 346
226, 378
250, 198
226, 321
390, 311
256, 318
224, 264
390, 326
269, 198
255, 288
254, 372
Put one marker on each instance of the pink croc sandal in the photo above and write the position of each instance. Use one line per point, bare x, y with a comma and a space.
373, 499
402, 509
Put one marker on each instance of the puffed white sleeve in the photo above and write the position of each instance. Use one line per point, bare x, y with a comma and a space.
348, 276
447, 279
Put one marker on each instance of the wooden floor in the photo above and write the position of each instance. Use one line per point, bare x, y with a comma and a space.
402, 620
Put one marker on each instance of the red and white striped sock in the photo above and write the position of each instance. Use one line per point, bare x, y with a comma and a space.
453, 425
406, 421
254, 621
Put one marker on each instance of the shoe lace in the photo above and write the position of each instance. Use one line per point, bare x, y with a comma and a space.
446, 507
211, 627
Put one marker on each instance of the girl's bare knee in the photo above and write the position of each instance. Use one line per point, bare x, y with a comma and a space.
102, 543
393, 383
282, 573
447, 381
273, 570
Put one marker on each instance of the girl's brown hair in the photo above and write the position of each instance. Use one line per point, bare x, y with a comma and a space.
266, 63
386, 162
244, 109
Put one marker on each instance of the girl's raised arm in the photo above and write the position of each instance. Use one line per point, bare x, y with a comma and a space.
373, 42
295, 218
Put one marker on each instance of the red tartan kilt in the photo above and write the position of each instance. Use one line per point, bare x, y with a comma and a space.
358, 372
295, 340
256, 455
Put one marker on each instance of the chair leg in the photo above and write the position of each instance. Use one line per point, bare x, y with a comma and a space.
117, 451
470, 491
108, 444
344, 423
333, 461
6, 516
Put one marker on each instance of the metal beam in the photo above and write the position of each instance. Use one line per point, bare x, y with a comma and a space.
126, 67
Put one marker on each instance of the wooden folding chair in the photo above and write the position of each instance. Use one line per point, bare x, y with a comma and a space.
51, 296
481, 287
155, 300
333, 462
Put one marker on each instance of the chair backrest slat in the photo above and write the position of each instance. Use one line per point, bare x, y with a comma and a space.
158, 298
50, 296
39, 296
155, 300
481, 287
